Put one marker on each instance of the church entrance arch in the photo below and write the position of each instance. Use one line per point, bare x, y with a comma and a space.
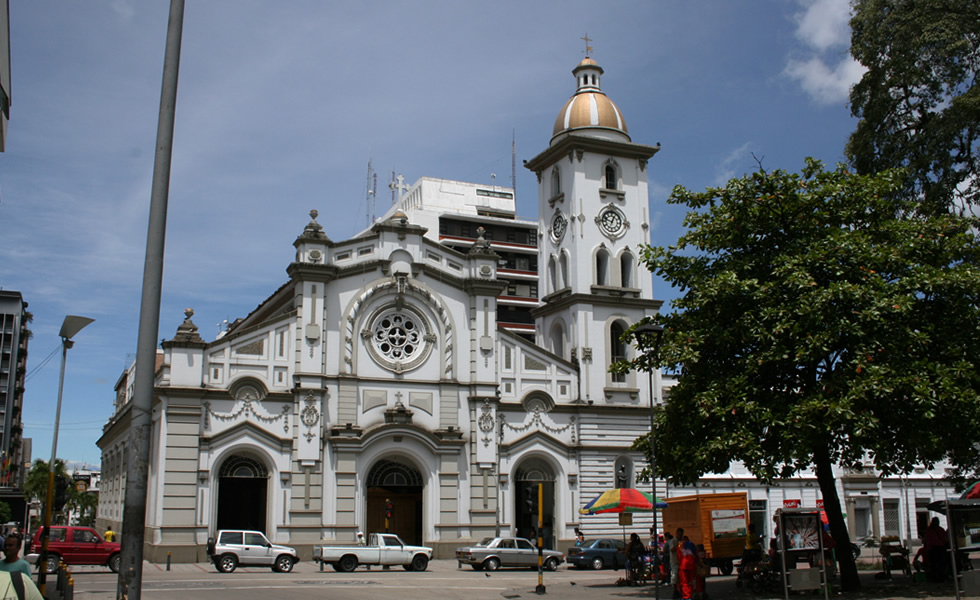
529, 474
243, 485
399, 484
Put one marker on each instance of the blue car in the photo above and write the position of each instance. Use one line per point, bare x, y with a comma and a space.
598, 554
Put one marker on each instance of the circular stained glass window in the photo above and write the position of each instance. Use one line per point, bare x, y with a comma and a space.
399, 338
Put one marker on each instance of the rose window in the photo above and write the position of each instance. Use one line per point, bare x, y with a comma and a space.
400, 338
397, 337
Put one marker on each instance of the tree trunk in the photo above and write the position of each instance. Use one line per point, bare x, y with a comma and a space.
838, 528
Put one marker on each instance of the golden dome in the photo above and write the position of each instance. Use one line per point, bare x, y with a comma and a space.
590, 109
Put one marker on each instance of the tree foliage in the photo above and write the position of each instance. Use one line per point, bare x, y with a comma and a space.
822, 322
919, 101
36, 486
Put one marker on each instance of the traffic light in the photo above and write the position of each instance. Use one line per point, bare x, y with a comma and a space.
61, 485
531, 499
389, 507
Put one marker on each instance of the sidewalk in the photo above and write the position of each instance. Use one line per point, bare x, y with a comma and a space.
723, 588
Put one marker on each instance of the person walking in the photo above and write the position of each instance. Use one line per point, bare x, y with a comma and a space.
110, 535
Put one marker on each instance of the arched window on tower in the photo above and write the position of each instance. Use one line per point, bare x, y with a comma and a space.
611, 179
555, 182
558, 339
563, 271
552, 275
602, 267
626, 269
617, 349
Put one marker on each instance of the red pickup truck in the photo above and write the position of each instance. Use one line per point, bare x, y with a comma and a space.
77, 546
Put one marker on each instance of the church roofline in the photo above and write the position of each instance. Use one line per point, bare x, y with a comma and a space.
530, 346
562, 302
572, 142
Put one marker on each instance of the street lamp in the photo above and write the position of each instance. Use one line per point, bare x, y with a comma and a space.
654, 333
71, 325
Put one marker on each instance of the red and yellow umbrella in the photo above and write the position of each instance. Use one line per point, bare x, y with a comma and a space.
622, 500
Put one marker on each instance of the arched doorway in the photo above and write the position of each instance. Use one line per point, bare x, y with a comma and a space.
243, 484
400, 484
532, 472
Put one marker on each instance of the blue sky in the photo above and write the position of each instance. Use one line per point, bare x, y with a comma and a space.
281, 105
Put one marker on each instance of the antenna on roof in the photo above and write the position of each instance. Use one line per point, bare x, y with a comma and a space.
513, 162
371, 194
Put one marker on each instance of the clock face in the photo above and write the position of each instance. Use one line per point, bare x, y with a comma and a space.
558, 226
611, 221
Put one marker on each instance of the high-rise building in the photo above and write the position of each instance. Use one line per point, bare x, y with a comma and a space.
14, 336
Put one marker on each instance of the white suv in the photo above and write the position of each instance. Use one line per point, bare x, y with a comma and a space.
235, 547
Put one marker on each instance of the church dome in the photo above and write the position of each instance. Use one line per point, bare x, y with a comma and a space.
589, 111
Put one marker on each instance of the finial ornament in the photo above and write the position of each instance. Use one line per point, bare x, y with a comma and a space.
188, 312
314, 214
588, 48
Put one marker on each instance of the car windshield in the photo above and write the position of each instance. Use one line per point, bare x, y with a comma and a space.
486, 541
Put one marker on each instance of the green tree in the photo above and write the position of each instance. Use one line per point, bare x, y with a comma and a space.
822, 322
36, 484
919, 101
6, 513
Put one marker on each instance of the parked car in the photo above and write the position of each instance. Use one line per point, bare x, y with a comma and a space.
235, 547
598, 554
493, 553
381, 549
75, 546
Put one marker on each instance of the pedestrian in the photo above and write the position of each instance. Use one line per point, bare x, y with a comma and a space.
634, 558
579, 537
701, 572
687, 563
936, 542
669, 547
12, 562
675, 563
110, 535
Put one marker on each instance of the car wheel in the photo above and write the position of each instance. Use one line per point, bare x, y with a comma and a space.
551, 564
491, 564
347, 563
52, 563
114, 561
420, 562
727, 567
598, 563
284, 563
227, 563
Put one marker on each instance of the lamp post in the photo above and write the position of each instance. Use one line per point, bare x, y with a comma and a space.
654, 334
69, 328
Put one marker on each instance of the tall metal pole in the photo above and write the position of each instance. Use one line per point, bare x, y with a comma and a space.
138, 444
69, 328
656, 332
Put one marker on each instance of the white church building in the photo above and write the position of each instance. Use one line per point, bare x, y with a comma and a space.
387, 370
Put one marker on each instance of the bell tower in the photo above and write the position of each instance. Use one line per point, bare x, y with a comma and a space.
593, 211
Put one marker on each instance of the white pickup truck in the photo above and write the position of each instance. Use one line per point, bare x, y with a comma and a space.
381, 549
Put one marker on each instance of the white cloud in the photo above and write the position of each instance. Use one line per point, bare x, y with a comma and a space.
824, 24
824, 29
823, 83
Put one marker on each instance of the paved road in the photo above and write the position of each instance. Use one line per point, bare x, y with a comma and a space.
442, 581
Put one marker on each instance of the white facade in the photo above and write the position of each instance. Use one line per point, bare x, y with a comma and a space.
378, 373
